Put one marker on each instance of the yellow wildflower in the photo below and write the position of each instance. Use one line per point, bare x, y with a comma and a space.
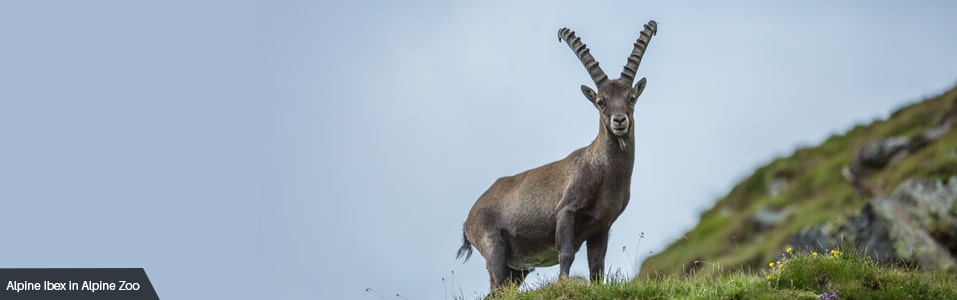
814, 253
788, 250
834, 252
771, 264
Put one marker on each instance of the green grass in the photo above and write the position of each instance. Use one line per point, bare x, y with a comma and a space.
816, 192
793, 276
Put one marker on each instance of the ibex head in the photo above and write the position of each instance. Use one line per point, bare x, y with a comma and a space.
615, 99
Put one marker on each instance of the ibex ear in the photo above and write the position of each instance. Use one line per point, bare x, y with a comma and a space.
639, 87
589, 93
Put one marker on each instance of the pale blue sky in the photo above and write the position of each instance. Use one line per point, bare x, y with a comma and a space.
313, 149
131, 136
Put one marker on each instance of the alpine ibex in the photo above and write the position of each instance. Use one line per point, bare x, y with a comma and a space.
541, 217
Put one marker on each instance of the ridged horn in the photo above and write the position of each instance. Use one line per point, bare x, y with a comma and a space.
574, 42
640, 45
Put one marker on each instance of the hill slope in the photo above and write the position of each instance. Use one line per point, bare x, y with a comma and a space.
798, 275
816, 187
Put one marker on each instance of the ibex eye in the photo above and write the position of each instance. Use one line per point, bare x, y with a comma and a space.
601, 103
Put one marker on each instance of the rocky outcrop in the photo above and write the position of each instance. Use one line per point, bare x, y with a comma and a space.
877, 154
915, 225
766, 218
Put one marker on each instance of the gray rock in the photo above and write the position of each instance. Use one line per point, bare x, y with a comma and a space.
778, 183
766, 218
878, 154
916, 225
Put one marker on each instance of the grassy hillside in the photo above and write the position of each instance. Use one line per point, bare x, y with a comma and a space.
805, 188
834, 275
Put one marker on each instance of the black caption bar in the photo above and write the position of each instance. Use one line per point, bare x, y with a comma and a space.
86, 284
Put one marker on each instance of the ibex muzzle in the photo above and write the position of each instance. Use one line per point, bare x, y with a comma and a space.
542, 216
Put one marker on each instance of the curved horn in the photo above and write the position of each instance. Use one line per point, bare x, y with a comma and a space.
574, 42
640, 45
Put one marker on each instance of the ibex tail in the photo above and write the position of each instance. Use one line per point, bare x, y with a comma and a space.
466, 248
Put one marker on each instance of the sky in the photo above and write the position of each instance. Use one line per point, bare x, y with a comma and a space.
332, 149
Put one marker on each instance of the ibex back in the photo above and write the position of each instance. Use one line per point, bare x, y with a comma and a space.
541, 217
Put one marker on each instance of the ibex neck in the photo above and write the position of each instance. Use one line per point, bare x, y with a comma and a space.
619, 150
